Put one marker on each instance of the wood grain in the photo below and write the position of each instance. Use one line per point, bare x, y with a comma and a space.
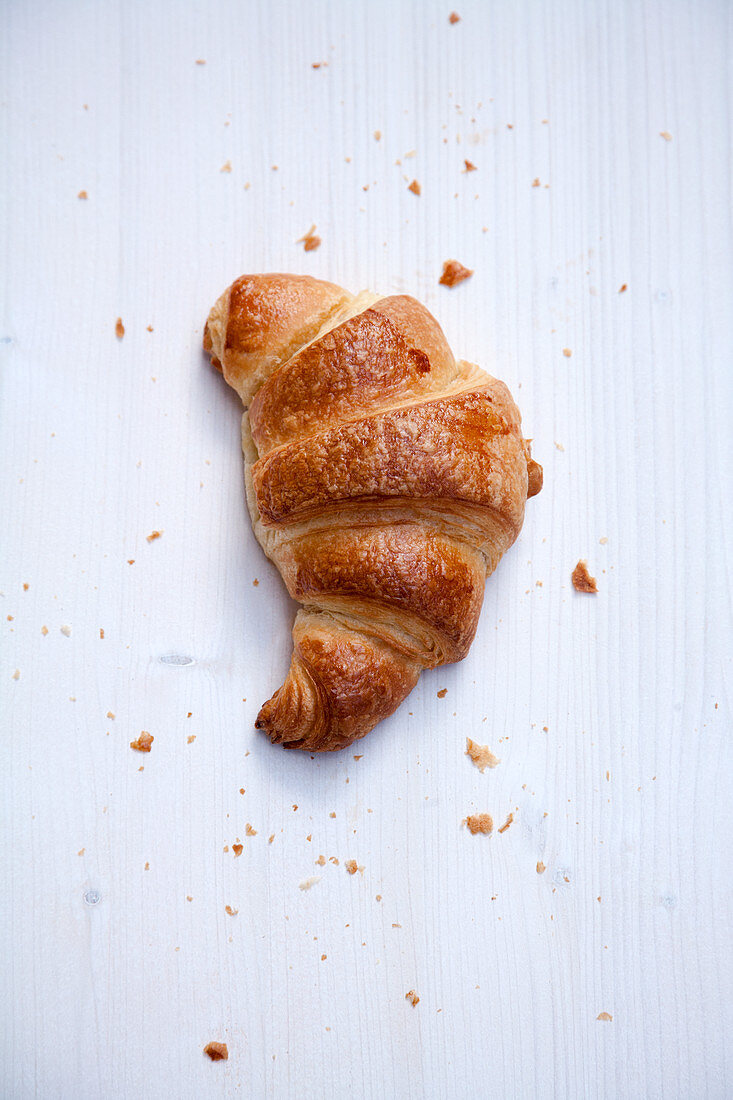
611, 714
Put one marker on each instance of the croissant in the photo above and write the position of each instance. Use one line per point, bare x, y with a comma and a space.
384, 479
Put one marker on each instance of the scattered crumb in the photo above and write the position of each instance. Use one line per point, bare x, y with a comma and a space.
226, 166
359, 757
321, 861
25, 587
442, 693
237, 849
559, 446
110, 714
143, 742
200, 61
332, 813
535, 182
567, 352
310, 240
101, 633
255, 583
469, 166
480, 823
603, 540
377, 135
232, 912
481, 755
119, 328
454, 17
147, 866
454, 273
507, 823
82, 195
582, 580
396, 925
412, 997
414, 187
130, 561
66, 631
241, 790
249, 831
323, 958
188, 897
191, 738
541, 867
16, 674
153, 536
333, 860
216, 1051
270, 838
81, 851
351, 866
308, 882
665, 134
623, 288
44, 630
604, 1016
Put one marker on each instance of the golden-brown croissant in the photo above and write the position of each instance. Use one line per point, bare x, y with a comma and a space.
384, 479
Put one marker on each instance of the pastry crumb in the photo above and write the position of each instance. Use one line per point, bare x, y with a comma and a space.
237, 849
351, 866
480, 823
481, 755
44, 630
377, 135
255, 584
535, 182
119, 328
81, 851
200, 61
218, 1052
321, 861
101, 633
231, 912
415, 188
153, 536
308, 882
603, 540
270, 838
332, 813
82, 195
582, 580
191, 738
143, 742
310, 241
66, 631
604, 1016
412, 997
25, 587
249, 831
442, 693
567, 352
540, 867
624, 287
454, 17
470, 167
16, 674
665, 134
226, 166
110, 714
507, 823
454, 273
559, 446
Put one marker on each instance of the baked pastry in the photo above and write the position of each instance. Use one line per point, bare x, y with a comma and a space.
384, 479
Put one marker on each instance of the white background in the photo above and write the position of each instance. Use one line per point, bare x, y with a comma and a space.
611, 714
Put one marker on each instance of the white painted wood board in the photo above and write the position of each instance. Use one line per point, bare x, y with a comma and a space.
611, 714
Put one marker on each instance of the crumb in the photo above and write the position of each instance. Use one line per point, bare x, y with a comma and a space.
665, 134
469, 166
623, 288
270, 838
582, 580
255, 583
507, 823
188, 897
604, 1016
333, 860
332, 813
249, 831
81, 851
241, 790
359, 757
377, 135
454, 17
101, 633
535, 182
396, 925
414, 187
143, 742
412, 997
378, 897
147, 866
232, 912
141, 768
10, 618
237, 849
480, 823
510, 125
82, 195
110, 714
351, 866
309, 837
567, 352
308, 882
226, 166
454, 273
189, 714
16, 674
200, 61
191, 738
44, 630
153, 536
321, 861
323, 958
540, 867
481, 755
310, 240
119, 328
66, 631
26, 587
559, 446
130, 561
216, 1051
295, 806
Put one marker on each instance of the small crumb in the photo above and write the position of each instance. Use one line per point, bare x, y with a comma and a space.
255, 584
481, 755
604, 1016
308, 882
469, 166
412, 997
44, 630
480, 823
249, 831
81, 851
540, 867
454, 273
535, 182
26, 587
153, 536
623, 288
323, 958
241, 790
188, 897
119, 328
567, 352
200, 61
237, 849
10, 618
310, 240
665, 134
510, 125
333, 860
110, 714
216, 1051
454, 17
130, 561
270, 838
377, 135
82, 195
143, 742
351, 866
232, 912
191, 738
359, 757
378, 897
582, 580
442, 693
16, 674
321, 861
414, 187
603, 540
66, 631
559, 446
396, 925
101, 633
507, 823
226, 166
332, 813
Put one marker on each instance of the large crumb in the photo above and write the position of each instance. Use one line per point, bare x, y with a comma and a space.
119, 328
412, 997
541, 867
308, 882
237, 849
481, 755
143, 742
507, 823
351, 866
310, 241
415, 187
604, 1016
216, 1051
480, 823
454, 17
153, 536
582, 580
442, 693
454, 273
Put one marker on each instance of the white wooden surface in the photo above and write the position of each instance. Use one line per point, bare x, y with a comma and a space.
612, 715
